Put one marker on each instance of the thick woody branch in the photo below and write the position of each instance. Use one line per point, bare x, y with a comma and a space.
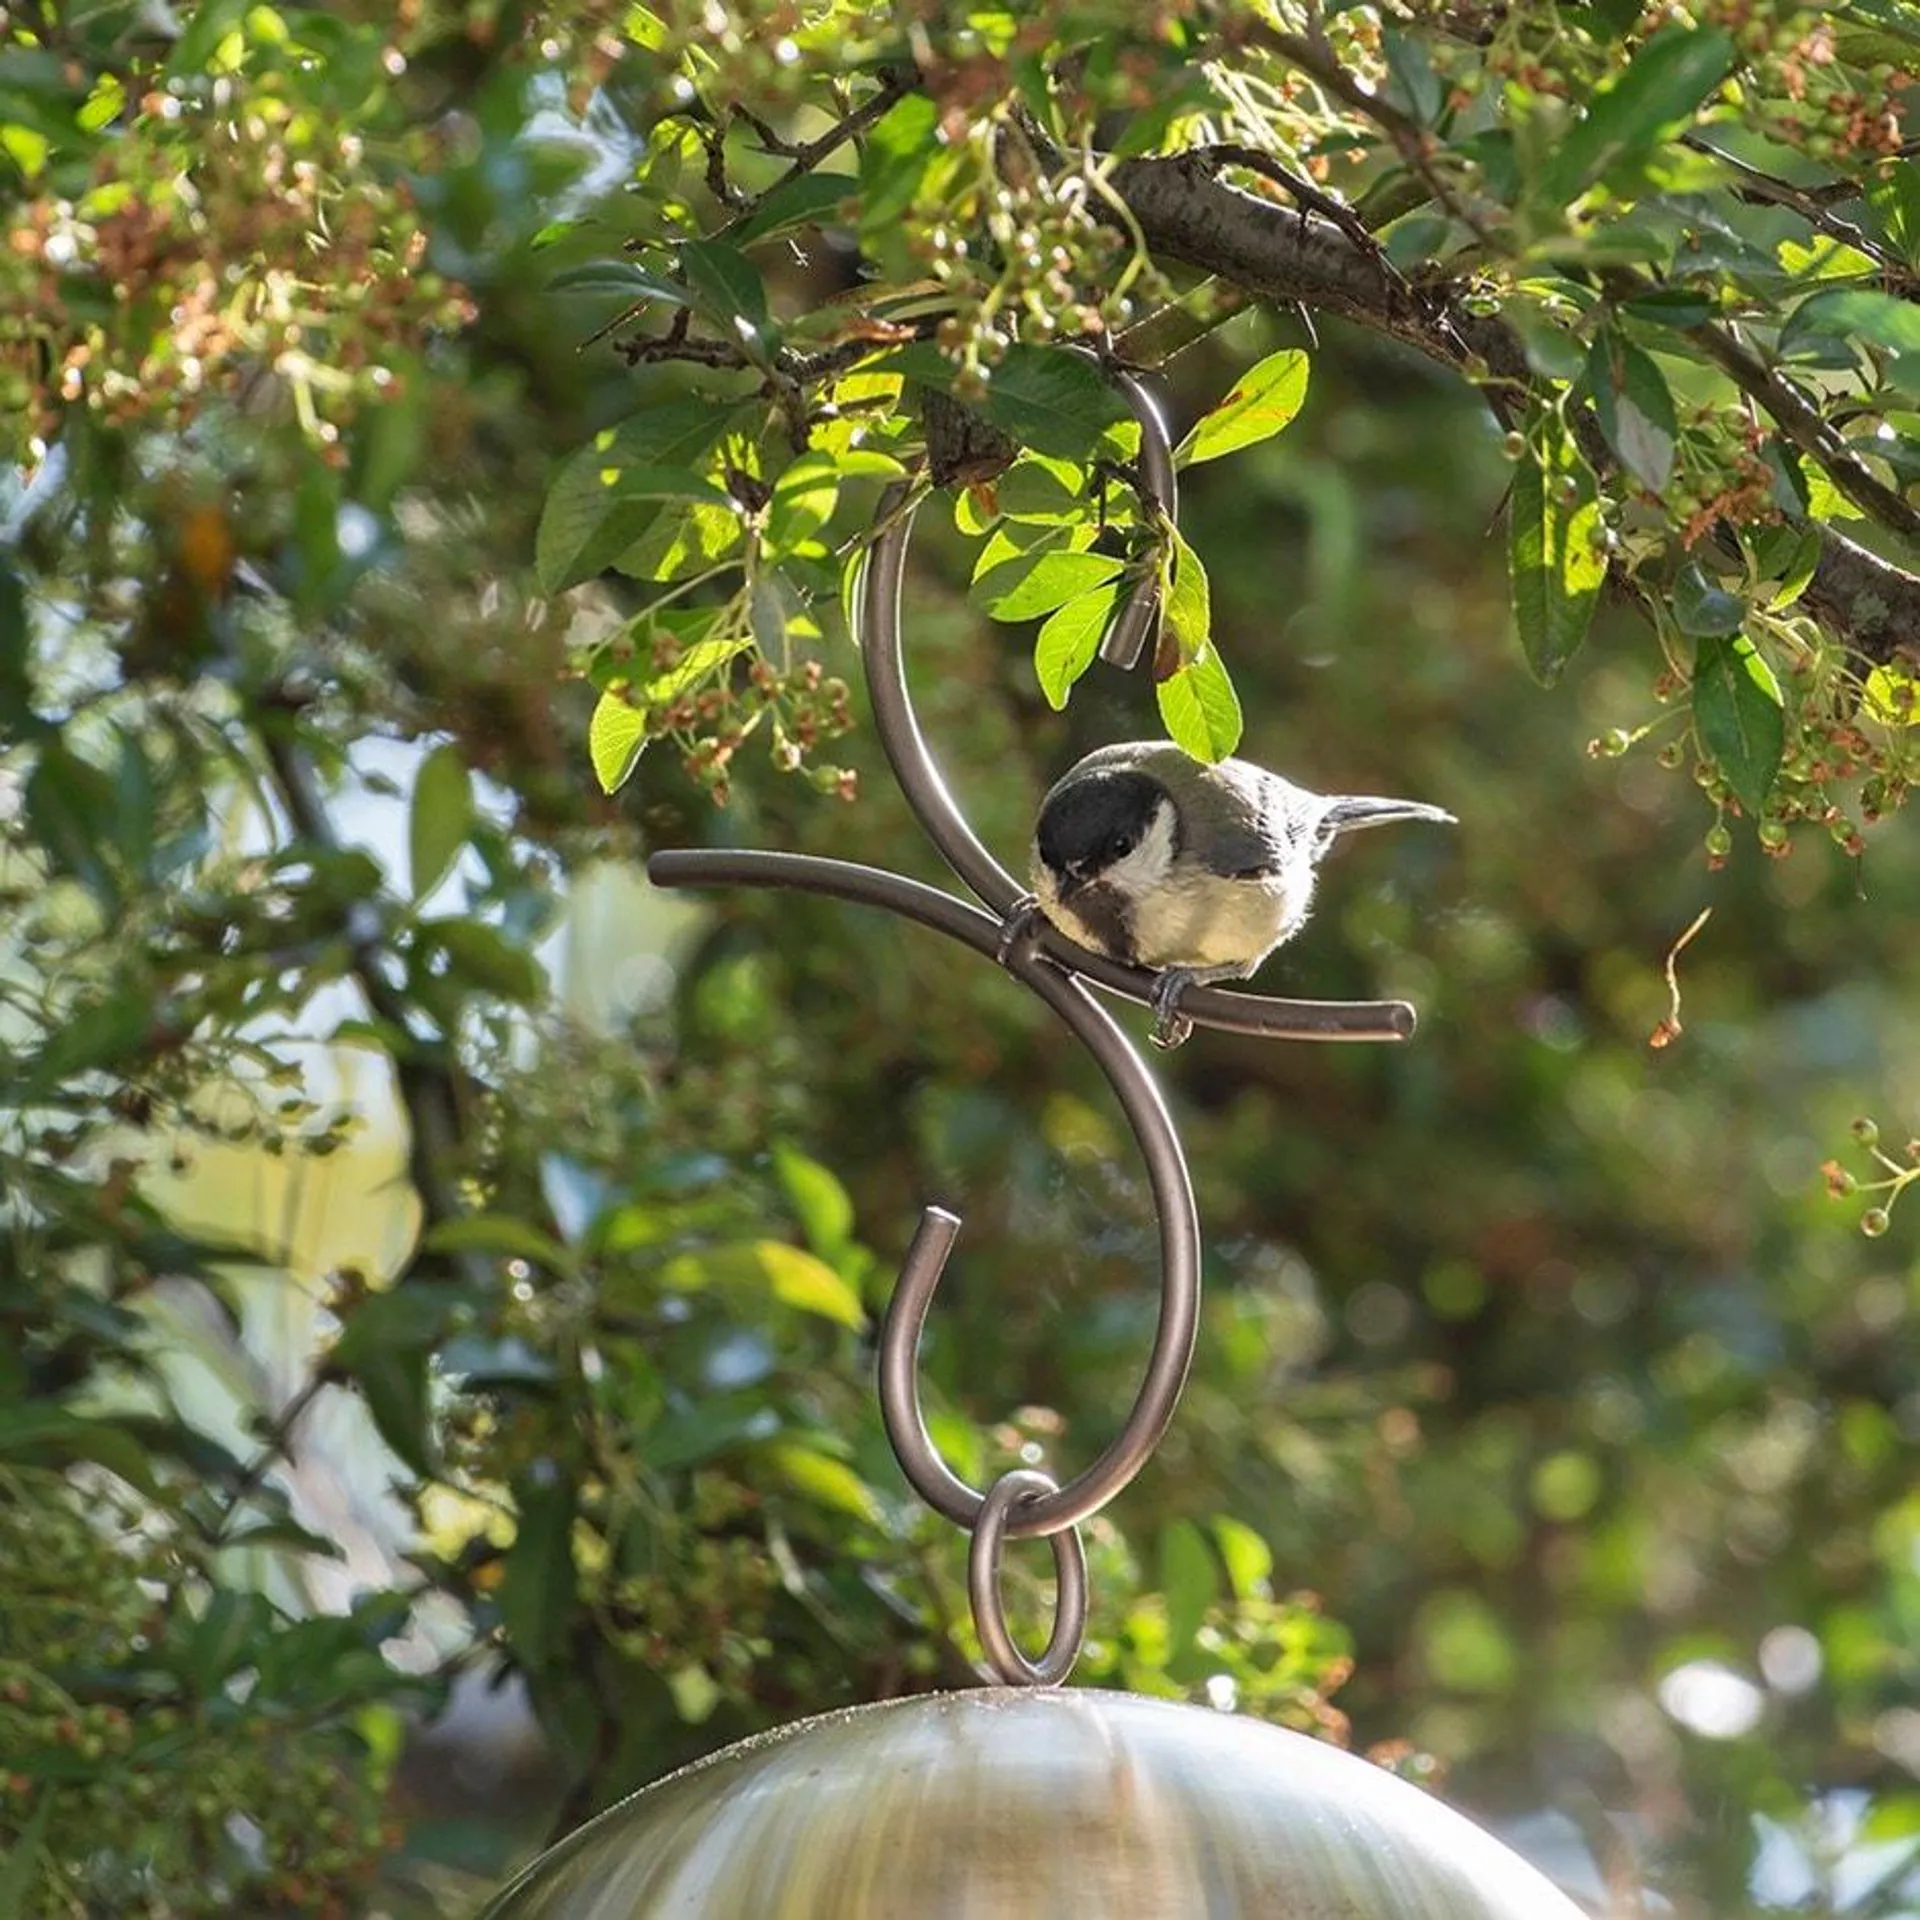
1186, 214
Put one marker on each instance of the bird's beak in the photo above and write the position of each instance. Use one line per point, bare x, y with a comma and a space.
1353, 811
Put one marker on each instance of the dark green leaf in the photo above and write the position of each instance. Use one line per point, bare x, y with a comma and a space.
484, 958
898, 151
1555, 567
1737, 712
394, 1383
1850, 314
1640, 109
726, 284
805, 200
1264, 399
49, 1433
1415, 87
21, 1866
440, 818
223, 1639
1700, 608
1635, 410
501, 1233
70, 803
1053, 402
16, 712
1199, 708
1069, 640
539, 1581
620, 277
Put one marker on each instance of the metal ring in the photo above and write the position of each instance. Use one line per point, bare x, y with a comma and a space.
983, 1587
926, 793
1146, 1114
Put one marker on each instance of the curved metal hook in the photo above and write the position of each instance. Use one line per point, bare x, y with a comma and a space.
1147, 1115
926, 792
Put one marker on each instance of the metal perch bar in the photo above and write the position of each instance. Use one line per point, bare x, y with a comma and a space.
934, 805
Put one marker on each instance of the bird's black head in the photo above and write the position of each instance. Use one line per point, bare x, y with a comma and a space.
1092, 821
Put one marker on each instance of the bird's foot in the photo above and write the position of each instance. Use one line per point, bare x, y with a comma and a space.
1171, 1027
1021, 924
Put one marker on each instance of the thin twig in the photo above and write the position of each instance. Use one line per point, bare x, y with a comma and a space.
1758, 185
1802, 423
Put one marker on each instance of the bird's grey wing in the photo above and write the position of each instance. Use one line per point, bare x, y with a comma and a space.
1248, 817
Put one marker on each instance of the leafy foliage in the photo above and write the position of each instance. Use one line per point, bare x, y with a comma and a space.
419, 1271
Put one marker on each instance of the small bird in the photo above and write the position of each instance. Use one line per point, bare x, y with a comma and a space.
1197, 872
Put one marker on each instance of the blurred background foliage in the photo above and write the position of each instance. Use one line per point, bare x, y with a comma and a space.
438, 1270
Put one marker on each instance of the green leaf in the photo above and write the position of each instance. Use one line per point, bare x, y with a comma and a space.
1893, 194
622, 277
818, 1200
16, 713
440, 818
483, 957
49, 1433
21, 1866
393, 1381
616, 738
698, 663
588, 522
805, 200
1069, 640
1190, 1580
726, 284
1640, 109
804, 498
1199, 708
801, 1279
1189, 605
1053, 402
1030, 584
1555, 568
898, 151
1249, 1559
1700, 607
1415, 87
539, 1581
1635, 410
1892, 697
820, 1478
1849, 315
500, 1233
1264, 399
1038, 489
1737, 713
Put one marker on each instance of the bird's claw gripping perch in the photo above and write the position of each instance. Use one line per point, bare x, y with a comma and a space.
1171, 1027
1021, 924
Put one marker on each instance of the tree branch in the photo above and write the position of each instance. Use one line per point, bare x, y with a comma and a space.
1188, 215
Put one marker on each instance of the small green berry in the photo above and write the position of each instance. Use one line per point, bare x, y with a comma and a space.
1874, 1222
1866, 1132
